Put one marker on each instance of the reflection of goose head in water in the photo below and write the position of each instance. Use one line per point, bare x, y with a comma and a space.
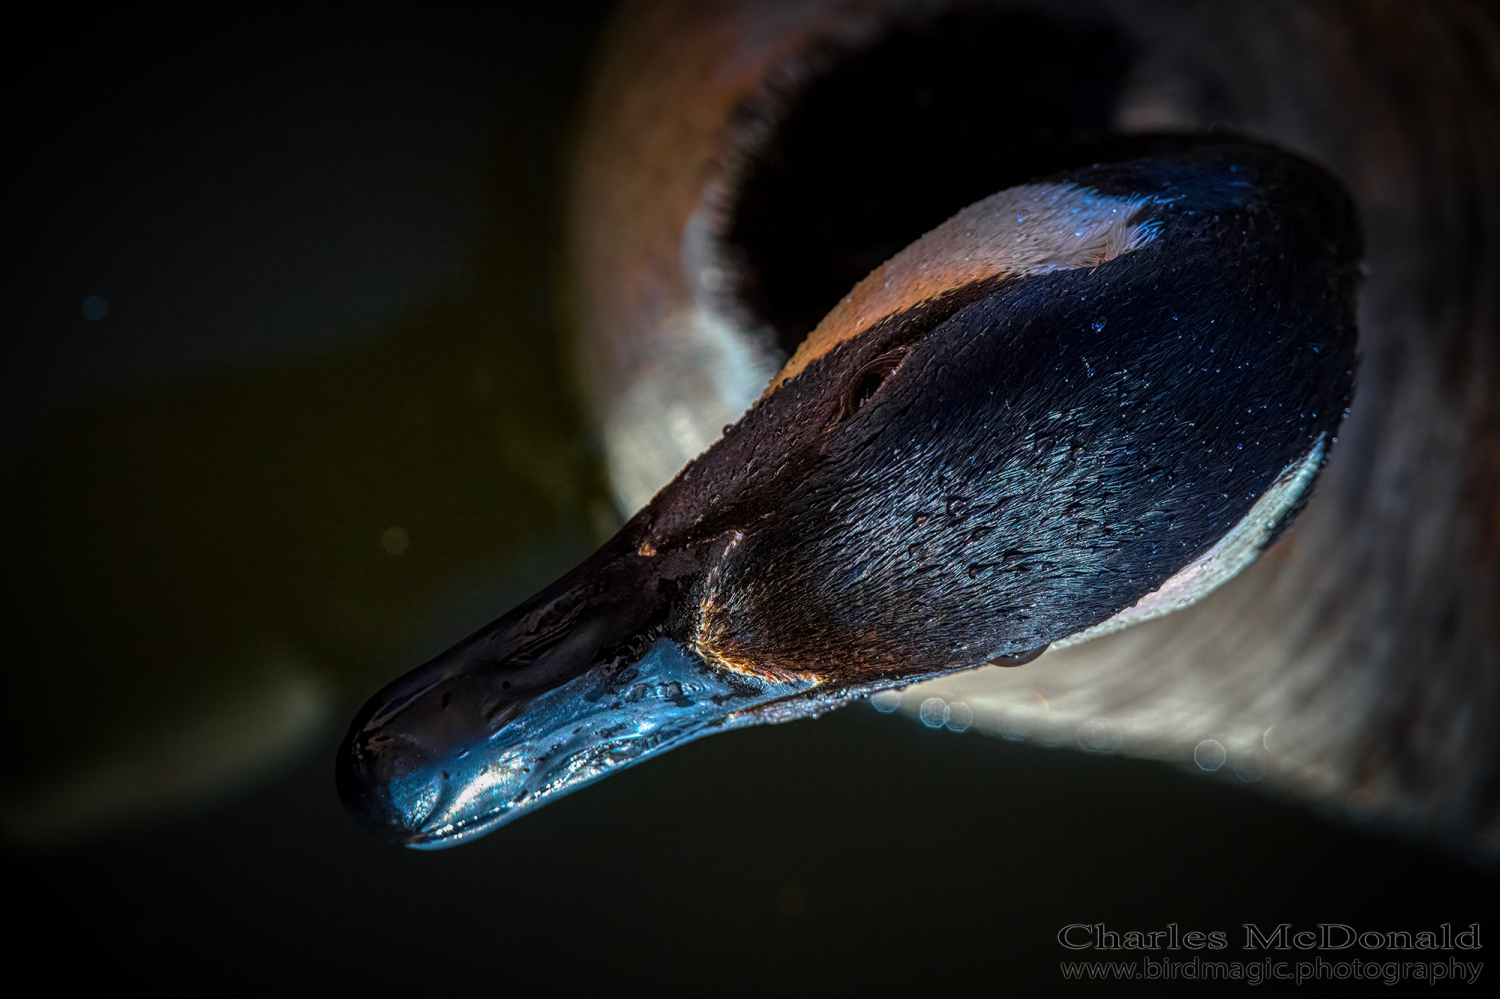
1078, 404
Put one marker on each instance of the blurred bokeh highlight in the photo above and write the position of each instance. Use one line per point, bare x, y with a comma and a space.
290, 411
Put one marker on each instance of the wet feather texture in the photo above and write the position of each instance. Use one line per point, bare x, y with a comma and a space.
987, 471
1029, 469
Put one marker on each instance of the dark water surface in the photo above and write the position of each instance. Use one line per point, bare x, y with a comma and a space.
856, 851
322, 429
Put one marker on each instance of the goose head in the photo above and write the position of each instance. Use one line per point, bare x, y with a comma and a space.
1079, 402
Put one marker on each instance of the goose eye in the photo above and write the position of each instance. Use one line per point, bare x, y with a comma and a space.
869, 379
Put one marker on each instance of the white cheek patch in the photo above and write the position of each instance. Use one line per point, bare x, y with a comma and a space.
1221, 563
1030, 229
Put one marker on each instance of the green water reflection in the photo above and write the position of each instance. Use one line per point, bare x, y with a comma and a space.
202, 576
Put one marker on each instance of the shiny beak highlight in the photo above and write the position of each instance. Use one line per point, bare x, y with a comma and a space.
473, 740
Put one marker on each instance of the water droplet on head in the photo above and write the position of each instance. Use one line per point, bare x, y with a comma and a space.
1098, 323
